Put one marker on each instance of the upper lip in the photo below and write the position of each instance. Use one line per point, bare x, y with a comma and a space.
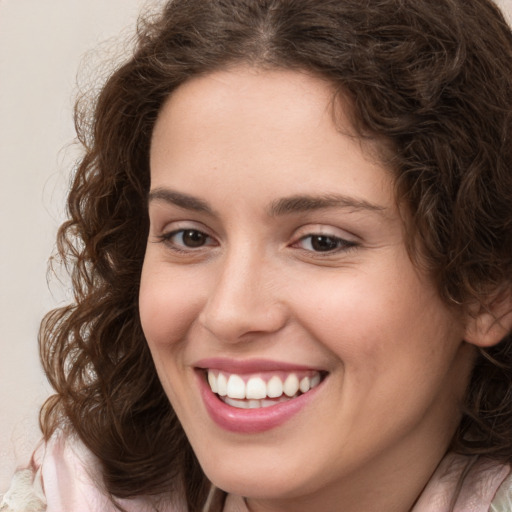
250, 365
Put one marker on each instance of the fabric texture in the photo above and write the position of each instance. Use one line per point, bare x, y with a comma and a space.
63, 476
464, 484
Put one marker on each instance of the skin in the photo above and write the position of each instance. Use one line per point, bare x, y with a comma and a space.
254, 287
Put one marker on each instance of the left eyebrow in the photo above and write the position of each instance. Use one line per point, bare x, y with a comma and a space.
185, 201
304, 203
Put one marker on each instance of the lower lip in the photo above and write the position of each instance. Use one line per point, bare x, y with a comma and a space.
251, 421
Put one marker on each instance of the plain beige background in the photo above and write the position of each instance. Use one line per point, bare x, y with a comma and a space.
42, 43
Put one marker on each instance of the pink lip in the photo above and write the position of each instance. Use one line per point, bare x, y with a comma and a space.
250, 421
249, 366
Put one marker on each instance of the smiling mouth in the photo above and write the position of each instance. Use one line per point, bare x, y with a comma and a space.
261, 390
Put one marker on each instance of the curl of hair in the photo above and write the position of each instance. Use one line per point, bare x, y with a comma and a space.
432, 79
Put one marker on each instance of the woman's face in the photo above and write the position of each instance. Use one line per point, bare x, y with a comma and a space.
276, 269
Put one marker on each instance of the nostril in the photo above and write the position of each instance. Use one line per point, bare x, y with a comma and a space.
239, 323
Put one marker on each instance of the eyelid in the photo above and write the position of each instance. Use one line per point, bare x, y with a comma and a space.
347, 240
166, 228
169, 234
171, 229
342, 244
325, 230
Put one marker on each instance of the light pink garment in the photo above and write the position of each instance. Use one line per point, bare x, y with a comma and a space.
66, 476
467, 485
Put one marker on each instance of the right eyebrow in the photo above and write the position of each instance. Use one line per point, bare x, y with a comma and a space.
179, 199
304, 203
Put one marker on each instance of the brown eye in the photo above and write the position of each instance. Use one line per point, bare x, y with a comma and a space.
324, 243
182, 239
193, 238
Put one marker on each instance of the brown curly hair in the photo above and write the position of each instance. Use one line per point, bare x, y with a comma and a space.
433, 79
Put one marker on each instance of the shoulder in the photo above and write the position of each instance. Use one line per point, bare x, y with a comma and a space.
467, 484
64, 475
502, 501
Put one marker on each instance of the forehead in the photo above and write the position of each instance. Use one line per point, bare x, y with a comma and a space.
225, 101
242, 85
258, 108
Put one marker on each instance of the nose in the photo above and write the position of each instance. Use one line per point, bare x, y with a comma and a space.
244, 300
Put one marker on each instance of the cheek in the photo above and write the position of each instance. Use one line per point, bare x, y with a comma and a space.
380, 318
168, 305
167, 308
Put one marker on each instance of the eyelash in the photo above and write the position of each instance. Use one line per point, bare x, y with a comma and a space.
335, 243
167, 238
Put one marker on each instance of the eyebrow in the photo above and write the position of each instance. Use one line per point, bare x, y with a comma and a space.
185, 201
283, 206
304, 203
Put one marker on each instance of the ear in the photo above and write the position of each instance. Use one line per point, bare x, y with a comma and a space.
488, 325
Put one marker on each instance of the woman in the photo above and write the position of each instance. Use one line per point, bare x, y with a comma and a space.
290, 238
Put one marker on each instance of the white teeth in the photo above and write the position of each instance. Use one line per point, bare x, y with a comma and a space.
252, 404
256, 388
212, 380
274, 387
236, 387
222, 385
304, 385
315, 380
291, 385
239, 404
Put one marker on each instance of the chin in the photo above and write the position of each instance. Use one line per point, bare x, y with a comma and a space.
258, 477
